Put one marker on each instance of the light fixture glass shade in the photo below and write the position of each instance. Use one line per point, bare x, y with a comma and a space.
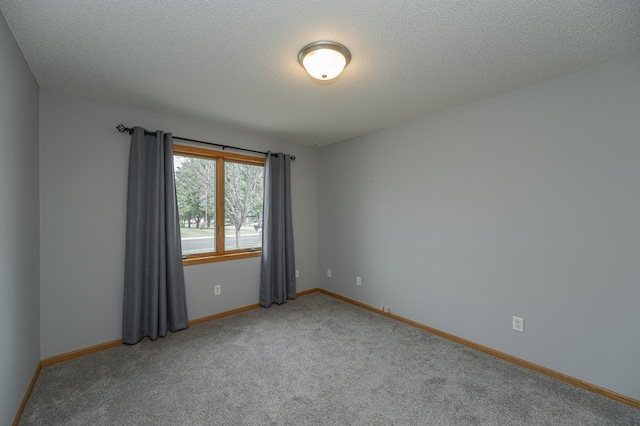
324, 60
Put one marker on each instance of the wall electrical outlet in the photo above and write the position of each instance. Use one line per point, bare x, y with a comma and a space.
216, 290
297, 273
518, 324
329, 273
358, 281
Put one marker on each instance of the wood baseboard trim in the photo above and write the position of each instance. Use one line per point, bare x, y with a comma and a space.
223, 314
518, 361
304, 293
102, 346
80, 352
241, 309
27, 394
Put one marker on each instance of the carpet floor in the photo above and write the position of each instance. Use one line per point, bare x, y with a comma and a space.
312, 361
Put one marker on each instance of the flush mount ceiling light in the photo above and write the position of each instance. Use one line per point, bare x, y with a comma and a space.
324, 60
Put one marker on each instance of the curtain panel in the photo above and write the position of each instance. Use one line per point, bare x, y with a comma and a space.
277, 272
154, 291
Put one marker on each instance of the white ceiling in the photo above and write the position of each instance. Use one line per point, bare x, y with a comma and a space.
234, 62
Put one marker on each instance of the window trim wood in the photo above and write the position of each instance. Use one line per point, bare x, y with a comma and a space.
220, 157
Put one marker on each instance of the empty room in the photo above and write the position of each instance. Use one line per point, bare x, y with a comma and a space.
337, 212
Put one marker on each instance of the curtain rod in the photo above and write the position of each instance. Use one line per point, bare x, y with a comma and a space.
122, 128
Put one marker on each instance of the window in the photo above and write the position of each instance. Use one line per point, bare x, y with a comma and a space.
220, 198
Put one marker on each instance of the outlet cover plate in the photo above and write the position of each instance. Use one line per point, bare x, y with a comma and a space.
518, 324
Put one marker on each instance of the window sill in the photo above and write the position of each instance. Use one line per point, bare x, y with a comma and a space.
198, 259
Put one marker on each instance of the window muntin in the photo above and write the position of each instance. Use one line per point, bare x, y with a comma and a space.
215, 227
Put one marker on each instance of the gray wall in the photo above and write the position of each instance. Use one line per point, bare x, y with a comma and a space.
19, 264
524, 204
83, 167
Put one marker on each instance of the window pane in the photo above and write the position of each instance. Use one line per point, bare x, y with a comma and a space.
243, 192
196, 192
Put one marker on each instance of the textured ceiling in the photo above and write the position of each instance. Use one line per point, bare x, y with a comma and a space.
234, 62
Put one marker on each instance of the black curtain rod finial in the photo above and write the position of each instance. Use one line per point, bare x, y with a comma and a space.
122, 128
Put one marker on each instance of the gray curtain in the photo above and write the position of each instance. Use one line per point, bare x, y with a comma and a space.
154, 293
278, 270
